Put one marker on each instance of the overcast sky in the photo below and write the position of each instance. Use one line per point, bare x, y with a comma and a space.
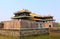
41, 7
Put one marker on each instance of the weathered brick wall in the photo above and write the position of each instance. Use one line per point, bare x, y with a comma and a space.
55, 30
10, 32
32, 32
23, 32
34, 24
12, 24
47, 24
30, 24
25, 24
25, 28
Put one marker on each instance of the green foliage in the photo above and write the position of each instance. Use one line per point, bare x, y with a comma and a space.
59, 23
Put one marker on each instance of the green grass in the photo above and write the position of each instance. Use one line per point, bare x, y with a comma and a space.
6, 37
37, 37
31, 37
50, 36
55, 36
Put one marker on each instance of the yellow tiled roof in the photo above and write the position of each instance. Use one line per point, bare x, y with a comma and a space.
23, 10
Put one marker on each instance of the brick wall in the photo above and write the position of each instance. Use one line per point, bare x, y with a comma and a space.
28, 24
47, 24
32, 32
10, 32
23, 32
11, 24
25, 24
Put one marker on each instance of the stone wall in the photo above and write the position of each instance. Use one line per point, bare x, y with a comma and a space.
32, 32
23, 32
55, 30
10, 32
12, 24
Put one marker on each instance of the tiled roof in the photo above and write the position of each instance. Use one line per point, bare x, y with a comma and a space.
23, 10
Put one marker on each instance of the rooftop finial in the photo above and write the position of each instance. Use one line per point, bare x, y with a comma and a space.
49, 14
24, 10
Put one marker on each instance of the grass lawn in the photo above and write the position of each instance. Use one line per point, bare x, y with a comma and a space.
55, 36
6, 37
37, 37
50, 36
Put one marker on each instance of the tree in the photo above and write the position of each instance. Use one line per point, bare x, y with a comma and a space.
59, 23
